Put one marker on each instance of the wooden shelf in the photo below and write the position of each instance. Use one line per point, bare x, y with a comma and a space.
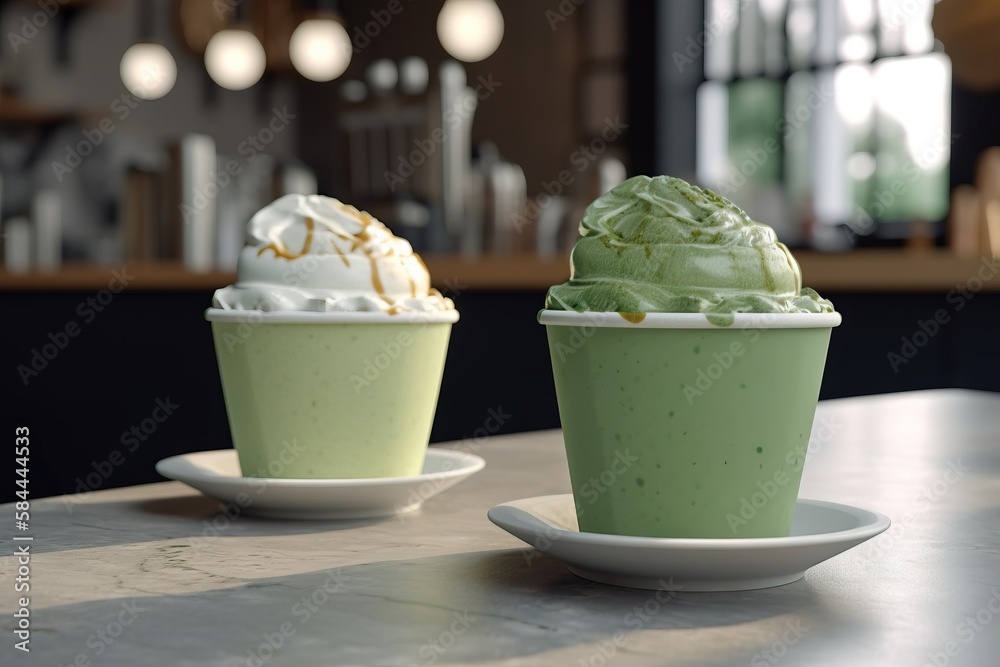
858, 271
140, 276
514, 272
15, 111
497, 272
936, 270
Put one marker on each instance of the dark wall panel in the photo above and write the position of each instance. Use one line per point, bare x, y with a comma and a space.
144, 348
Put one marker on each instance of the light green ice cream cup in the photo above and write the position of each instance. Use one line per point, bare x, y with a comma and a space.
330, 395
687, 425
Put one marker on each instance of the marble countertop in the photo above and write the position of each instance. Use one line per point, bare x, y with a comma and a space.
159, 575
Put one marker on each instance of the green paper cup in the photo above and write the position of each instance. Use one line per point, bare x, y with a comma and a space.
678, 427
330, 395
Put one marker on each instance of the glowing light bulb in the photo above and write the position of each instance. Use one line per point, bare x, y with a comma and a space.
235, 59
320, 49
148, 70
470, 30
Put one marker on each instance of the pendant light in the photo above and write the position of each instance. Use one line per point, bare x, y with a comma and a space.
234, 57
147, 69
470, 30
320, 48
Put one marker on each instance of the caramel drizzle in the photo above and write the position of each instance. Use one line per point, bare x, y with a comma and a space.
357, 243
343, 257
413, 284
376, 280
281, 251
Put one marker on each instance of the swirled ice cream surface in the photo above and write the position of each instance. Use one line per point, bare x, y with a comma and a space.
315, 253
662, 245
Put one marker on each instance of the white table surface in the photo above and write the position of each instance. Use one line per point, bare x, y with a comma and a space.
138, 576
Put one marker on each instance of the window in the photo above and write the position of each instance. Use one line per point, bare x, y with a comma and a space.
827, 119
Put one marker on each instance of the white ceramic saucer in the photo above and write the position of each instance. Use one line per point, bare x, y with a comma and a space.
217, 473
820, 531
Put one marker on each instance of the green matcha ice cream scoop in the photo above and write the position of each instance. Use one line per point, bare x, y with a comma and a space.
662, 245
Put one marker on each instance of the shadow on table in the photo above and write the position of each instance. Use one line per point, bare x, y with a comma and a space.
471, 607
196, 516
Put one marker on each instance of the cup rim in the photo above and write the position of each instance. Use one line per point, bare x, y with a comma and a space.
613, 320
335, 317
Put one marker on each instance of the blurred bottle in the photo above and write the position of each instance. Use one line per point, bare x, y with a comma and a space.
46, 213
17, 245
